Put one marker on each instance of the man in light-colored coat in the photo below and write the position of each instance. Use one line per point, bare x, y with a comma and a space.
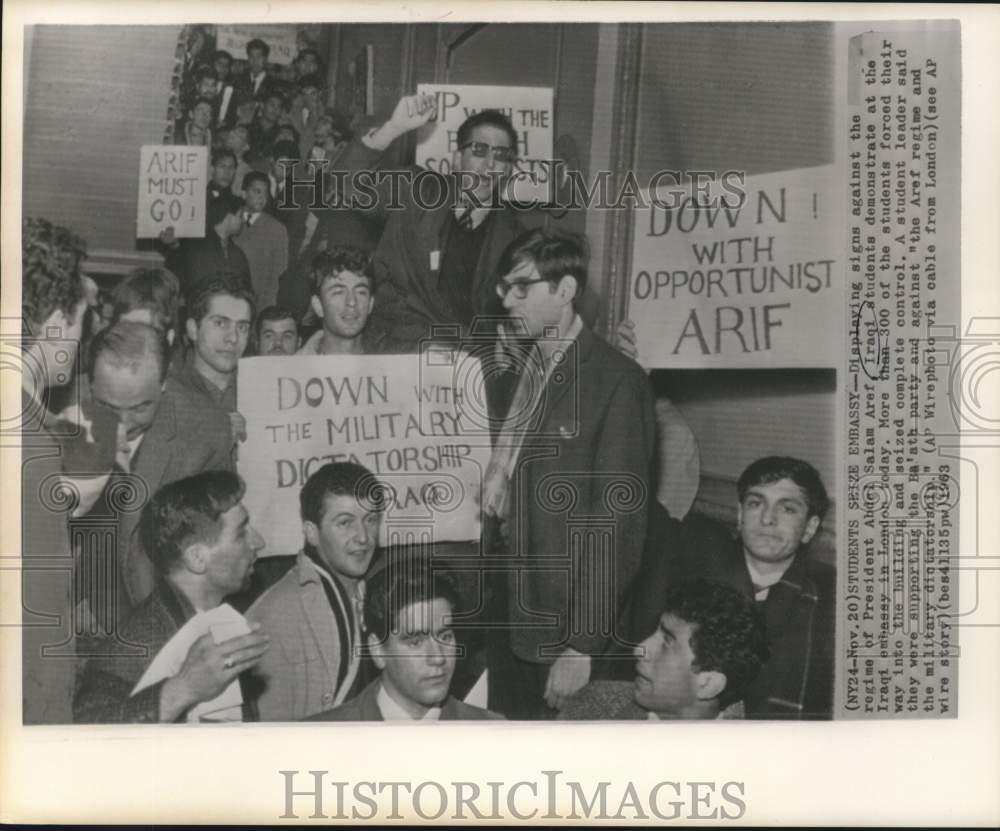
313, 613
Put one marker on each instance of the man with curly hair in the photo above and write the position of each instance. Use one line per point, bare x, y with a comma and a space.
707, 648
54, 301
342, 299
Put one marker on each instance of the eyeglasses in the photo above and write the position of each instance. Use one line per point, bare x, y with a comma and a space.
481, 148
518, 287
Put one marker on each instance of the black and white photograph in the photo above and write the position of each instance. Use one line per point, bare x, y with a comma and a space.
552, 373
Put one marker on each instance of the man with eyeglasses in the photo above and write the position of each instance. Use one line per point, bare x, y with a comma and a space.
436, 262
566, 493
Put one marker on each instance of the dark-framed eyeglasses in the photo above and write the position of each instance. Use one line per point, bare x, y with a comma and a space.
481, 148
519, 288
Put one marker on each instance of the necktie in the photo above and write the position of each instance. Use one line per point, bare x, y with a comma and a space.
465, 218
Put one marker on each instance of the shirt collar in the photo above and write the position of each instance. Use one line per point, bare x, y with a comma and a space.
392, 711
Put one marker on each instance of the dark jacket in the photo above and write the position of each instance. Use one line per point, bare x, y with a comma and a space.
411, 300
579, 498
103, 694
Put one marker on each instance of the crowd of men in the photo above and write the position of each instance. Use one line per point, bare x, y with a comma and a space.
672, 617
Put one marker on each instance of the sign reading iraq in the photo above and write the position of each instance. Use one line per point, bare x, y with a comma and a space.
724, 280
401, 416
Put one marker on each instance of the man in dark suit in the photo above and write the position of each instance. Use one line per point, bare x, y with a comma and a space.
199, 535
407, 617
164, 434
567, 488
708, 645
782, 502
436, 261
254, 84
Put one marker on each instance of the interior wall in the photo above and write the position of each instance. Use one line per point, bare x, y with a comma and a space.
95, 95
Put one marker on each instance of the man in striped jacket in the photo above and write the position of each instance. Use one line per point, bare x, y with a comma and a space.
313, 613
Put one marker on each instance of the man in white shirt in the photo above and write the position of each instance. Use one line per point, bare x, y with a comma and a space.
408, 611
708, 647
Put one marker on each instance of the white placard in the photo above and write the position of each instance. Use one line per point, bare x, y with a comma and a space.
744, 282
403, 417
172, 183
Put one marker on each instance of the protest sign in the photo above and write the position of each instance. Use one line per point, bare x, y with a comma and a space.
172, 183
280, 38
738, 275
400, 416
529, 110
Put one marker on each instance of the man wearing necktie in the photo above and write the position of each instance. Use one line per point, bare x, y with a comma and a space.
435, 264
263, 239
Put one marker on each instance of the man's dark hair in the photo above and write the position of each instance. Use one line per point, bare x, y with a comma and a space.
487, 118
398, 585
311, 80
272, 314
205, 70
257, 176
222, 283
285, 149
773, 468
50, 269
185, 512
222, 53
218, 209
201, 99
554, 253
220, 153
337, 259
129, 344
340, 479
258, 45
309, 51
728, 633
155, 289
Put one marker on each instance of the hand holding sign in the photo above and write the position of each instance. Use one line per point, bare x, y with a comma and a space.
411, 113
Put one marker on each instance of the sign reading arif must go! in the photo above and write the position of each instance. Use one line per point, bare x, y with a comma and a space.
738, 275
403, 417
530, 112
172, 183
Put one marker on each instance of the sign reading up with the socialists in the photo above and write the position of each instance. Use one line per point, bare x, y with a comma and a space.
739, 275
172, 183
403, 417
530, 112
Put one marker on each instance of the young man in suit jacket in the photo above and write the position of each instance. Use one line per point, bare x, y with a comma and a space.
407, 618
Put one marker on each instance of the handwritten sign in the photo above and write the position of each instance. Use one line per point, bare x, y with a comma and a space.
281, 38
172, 182
529, 110
738, 275
400, 416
